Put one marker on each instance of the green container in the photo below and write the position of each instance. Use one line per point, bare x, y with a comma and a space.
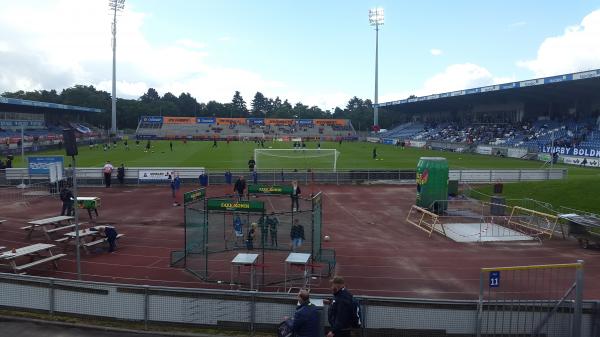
432, 184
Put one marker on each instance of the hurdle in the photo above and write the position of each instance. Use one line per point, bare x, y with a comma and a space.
524, 220
425, 220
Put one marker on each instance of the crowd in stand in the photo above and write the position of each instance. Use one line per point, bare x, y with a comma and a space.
564, 133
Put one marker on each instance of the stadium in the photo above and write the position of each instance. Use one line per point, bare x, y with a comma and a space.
462, 213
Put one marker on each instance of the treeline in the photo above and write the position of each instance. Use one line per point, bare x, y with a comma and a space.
152, 104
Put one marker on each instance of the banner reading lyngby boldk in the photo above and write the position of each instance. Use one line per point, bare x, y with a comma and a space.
571, 151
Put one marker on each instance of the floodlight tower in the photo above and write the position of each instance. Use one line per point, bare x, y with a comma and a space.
376, 19
115, 6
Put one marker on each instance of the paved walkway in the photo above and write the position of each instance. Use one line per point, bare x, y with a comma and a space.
11, 328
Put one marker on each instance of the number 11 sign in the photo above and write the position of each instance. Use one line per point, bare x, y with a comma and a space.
494, 279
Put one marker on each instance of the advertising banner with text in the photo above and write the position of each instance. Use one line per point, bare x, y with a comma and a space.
179, 120
229, 121
278, 121
571, 151
330, 122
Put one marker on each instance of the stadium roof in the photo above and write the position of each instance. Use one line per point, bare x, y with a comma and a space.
23, 104
568, 85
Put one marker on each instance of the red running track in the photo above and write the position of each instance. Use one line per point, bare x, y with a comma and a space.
378, 252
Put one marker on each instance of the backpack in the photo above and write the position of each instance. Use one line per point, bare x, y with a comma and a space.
356, 317
284, 329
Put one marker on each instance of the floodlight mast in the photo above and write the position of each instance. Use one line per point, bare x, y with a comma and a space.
376, 19
115, 6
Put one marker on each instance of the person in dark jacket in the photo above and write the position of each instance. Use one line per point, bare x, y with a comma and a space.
240, 187
297, 235
295, 195
111, 236
67, 198
306, 317
121, 174
340, 309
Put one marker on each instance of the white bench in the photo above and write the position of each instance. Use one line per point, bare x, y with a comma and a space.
2, 248
93, 243
61, 240
35, 263
62, 227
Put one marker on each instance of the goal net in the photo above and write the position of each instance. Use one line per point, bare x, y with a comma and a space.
300, 159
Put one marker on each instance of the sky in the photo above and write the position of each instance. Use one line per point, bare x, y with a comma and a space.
316, 52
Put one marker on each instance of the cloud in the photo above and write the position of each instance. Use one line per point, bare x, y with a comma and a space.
577, 49
518, 24
454, 77
70, 43
435, 52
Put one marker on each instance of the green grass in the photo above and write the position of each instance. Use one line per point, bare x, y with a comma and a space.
236, 155
579, 191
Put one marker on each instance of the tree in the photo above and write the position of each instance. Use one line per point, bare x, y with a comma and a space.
238, 105
259, 104
151, 96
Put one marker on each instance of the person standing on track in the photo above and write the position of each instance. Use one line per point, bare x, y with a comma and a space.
296, 235
239, 187
121, 174
107, 170
175, 185
295, 196
251, 164
67, 198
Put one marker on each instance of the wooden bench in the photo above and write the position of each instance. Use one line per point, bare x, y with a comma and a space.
35, 263
93, 243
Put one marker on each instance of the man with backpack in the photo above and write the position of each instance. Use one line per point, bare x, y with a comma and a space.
344, 312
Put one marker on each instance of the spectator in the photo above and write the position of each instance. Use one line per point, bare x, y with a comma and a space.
111, 237
121, 174
175, 185
228, 177
273, 223
297, 235
238, 230
251, 236
340, 309
107, 170
67, 198
240, 187
306, 318
295, 196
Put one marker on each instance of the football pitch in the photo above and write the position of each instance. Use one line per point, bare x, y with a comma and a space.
579, 191
235, 156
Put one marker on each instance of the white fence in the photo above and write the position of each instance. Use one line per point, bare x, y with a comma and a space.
93, 176
235, 310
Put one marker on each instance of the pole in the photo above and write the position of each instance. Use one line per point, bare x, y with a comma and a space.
113, 128
578, 299
376, 109
76, 215
23, 154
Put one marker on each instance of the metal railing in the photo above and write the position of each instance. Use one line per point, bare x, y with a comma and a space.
235, 310
93, 176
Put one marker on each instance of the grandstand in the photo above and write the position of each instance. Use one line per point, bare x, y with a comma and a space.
541, 115
209, 128
42, 124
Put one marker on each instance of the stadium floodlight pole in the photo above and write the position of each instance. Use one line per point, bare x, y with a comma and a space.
115, 6
376, 19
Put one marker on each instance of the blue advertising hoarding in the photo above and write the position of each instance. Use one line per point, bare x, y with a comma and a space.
305, 122
205, 120
152, 119
39, 164
256, 121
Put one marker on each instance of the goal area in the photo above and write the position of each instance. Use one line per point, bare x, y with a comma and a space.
300, 159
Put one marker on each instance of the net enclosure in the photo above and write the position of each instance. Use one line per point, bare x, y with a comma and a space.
300, 158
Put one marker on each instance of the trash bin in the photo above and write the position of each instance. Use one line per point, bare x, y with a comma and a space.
203, 180
498, 188
497, 205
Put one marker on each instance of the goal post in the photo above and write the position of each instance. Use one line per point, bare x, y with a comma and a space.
314, 159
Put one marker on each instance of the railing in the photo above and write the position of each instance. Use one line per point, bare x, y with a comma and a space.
93, 176
236, 310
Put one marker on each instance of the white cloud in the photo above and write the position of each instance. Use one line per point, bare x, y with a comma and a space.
55, 45
518, 24
577, 49
454, 77
435, 52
